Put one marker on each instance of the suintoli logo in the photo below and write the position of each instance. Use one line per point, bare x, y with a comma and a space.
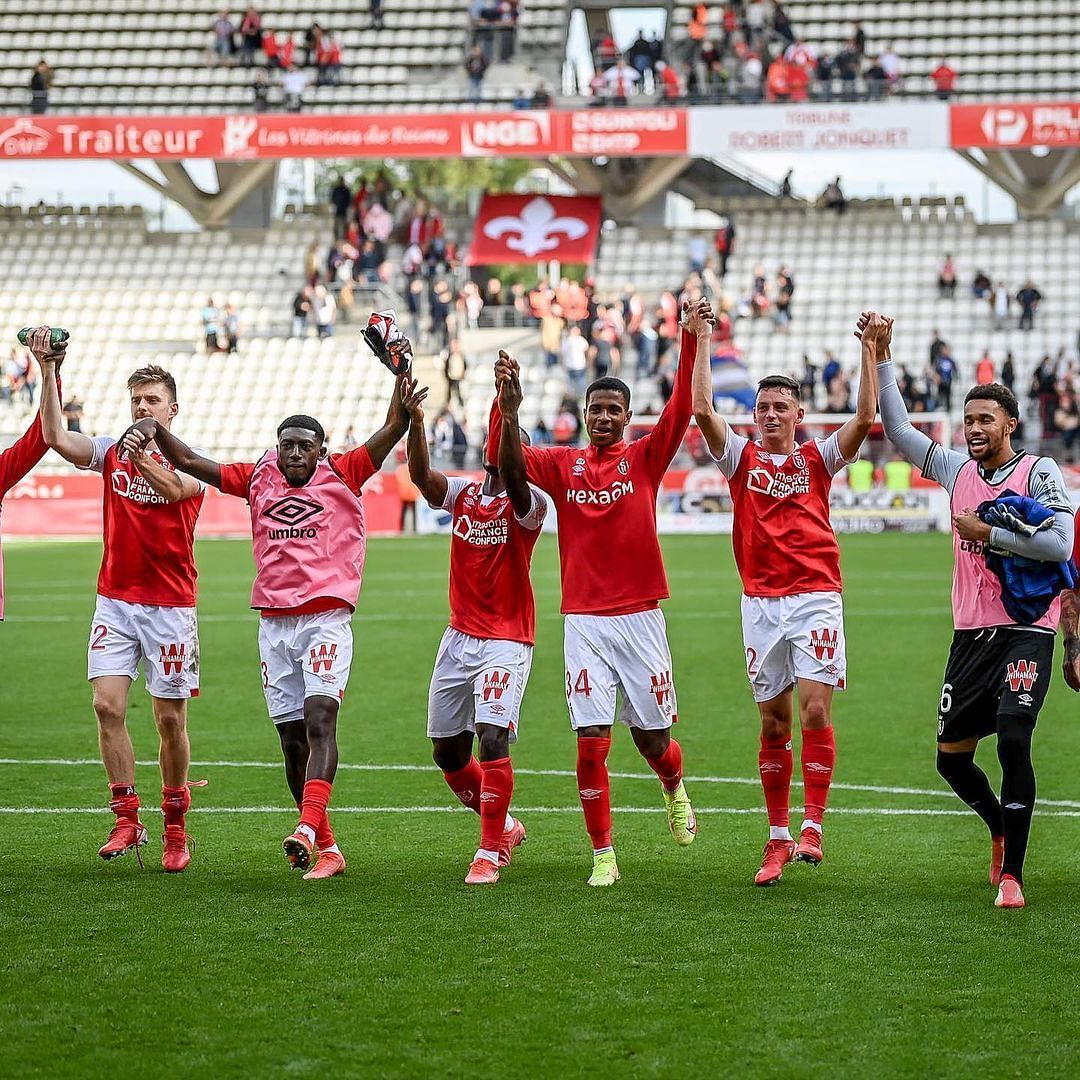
292, 512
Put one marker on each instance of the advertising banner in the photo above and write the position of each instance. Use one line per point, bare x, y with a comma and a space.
1055, 124
535, 228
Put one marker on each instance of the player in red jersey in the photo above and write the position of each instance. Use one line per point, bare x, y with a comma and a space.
309, 541
789, 562
145, 609
485, 656
615, 639
23, 454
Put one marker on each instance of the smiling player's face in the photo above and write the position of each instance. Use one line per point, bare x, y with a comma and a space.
299, 453
152, 401
777, 414
606, 417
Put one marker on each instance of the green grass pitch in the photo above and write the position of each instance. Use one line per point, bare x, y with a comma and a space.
887, 960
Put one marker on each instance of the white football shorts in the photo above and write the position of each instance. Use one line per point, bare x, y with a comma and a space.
164, 639
619, 655
793, 637
477, 681
304, 656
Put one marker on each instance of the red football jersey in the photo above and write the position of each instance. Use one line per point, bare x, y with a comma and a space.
605, 499
148, 555
491, 594
783, 537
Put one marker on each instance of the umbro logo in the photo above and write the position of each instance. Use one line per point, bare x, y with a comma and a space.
488, 796
292, 510
816, 766
590, 793
771, 766
1016, 806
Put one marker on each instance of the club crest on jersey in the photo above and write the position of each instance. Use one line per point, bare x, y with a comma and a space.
825, 643
624, 469
293, 512
579, 467
1023, 673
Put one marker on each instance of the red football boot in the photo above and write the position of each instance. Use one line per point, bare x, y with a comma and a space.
512, 838
777, 854
809, 849
128, 834
175, 855
298, 849
1010, 894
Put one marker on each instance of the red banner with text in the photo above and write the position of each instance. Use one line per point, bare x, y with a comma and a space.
1054, 124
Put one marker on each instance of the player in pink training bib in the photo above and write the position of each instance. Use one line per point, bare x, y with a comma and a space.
789, 562
485, 656
145, 610
309, 542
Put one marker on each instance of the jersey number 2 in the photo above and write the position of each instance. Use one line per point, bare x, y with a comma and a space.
99, 634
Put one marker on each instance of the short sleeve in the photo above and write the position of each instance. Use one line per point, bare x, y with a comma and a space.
831, 453
236, 478
101, 444
537, 512
734, 446
355, 467
455, 485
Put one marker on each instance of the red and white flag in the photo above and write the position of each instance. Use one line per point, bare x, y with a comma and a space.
536, 228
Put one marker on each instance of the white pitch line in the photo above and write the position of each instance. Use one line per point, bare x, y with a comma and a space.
863, 811
878, 789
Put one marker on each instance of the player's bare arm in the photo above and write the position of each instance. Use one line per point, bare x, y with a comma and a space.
406, 394
135, 440
713, 426
73, 446
431, 482
1070, 617
509, 387
172, 486
511, 453
872, 336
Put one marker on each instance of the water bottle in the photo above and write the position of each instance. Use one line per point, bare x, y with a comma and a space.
57, 335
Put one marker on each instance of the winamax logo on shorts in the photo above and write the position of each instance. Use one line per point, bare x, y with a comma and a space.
293, 512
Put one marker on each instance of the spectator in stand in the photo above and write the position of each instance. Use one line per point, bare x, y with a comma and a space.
521, 100
830, 371
471, 304
293, 84
378, 225
250, 36
475, 66
776, 81
755, 16
223, 30
944, 80
325, 311
782, 25
668, 78
847, 65
287, 53
945, 368
1028, 298
211, 323
984, 370
999, 305
729, 23
541, 98
946, 282
1067, 421
375, 10
40, 82
455, 368
725, 244
73, 413
697, 30
890, 62
937, 346
328, 60
876, 80
231, 324
340, 200
824, 72
639, 55
301, 309
551, 333
271, 48
620, 80
832, 198
313, 36
759, 293
785, 290
1008, 371
366, 264
574, 352
981, 286
750, 79
1044, 390
260, 92
858, 38
567, 426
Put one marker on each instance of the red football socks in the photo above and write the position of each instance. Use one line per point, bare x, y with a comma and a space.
668, 766
466, 784
324, 835
495, 793
818, 759
316, 800
124, 802
595, 789
774, 764
175, 803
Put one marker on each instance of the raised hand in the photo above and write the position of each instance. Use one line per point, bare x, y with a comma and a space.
400, 352
698, 317
506, 367
40, 344
412, 398
134, 441
510, 394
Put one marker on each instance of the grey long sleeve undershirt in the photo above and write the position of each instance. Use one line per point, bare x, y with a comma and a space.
935, 462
